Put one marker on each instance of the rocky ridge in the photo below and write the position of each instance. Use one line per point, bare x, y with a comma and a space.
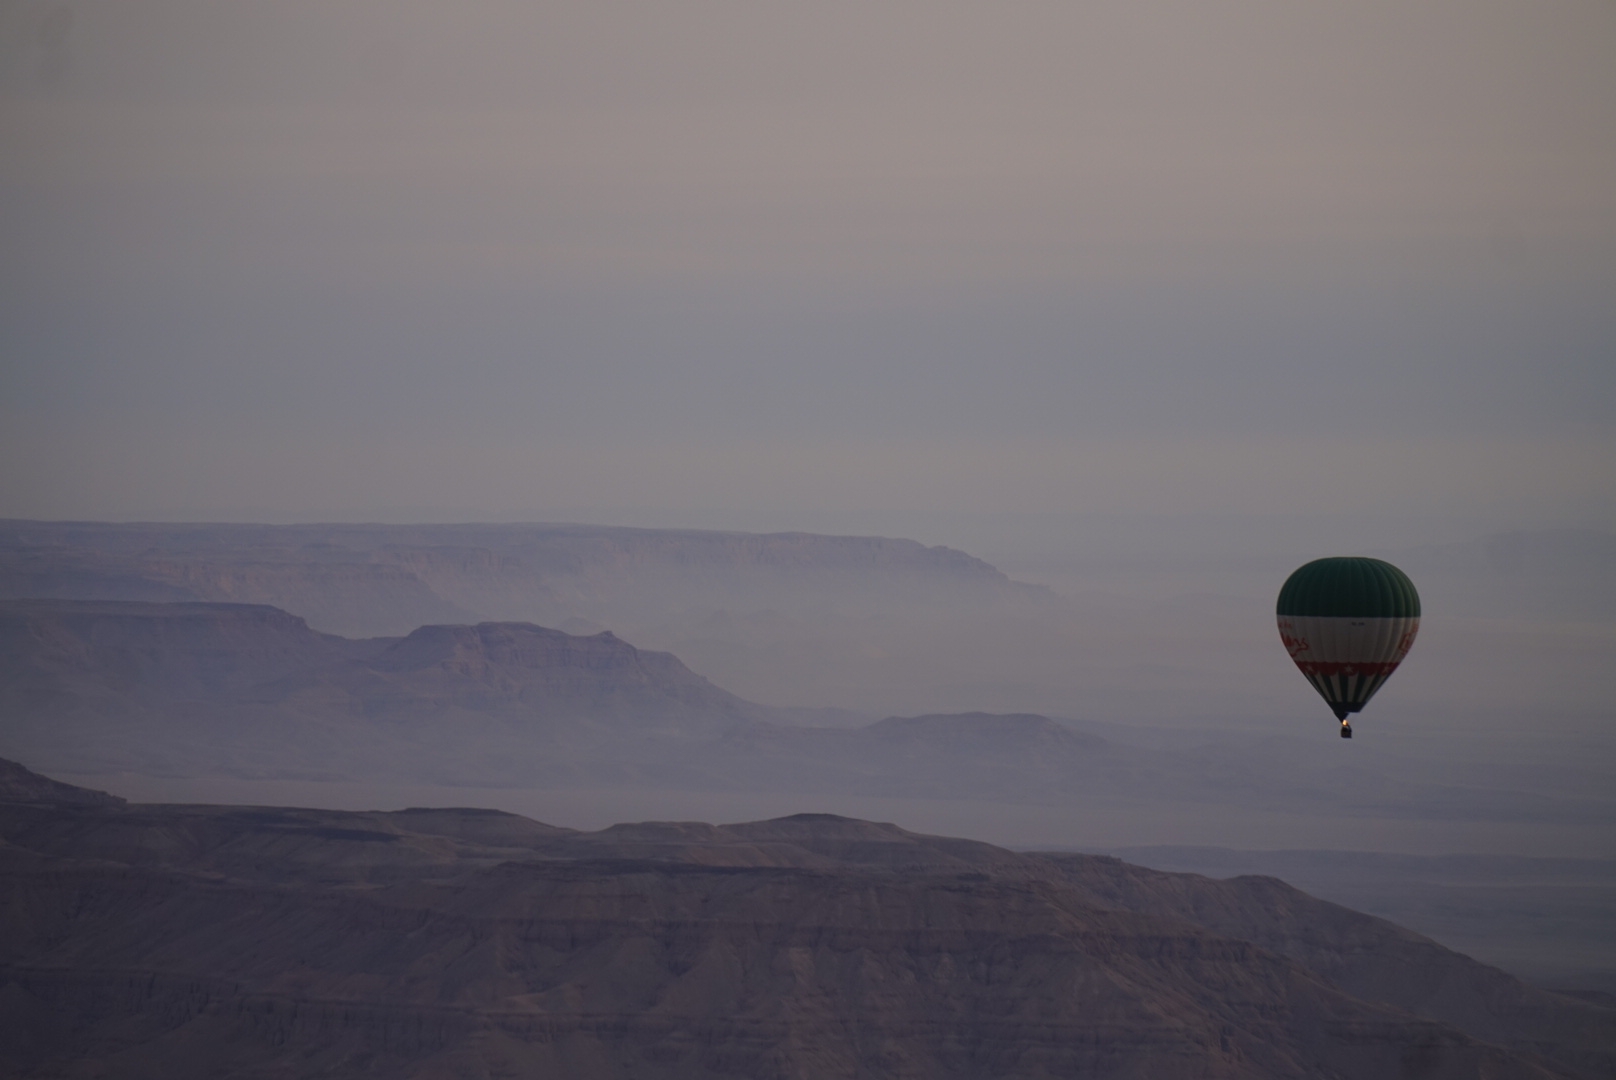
247, 691
230, 941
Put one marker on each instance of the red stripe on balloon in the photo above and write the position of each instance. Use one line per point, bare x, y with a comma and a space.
1321, 667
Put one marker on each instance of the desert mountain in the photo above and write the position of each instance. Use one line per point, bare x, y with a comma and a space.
248, 654
182, 941
850, 622
237, 689
389, 579
864, 628
19, 785
95, 687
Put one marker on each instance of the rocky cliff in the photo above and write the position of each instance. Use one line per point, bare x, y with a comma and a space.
183, 941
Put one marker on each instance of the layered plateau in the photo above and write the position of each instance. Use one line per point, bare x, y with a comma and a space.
177, 941
251, 692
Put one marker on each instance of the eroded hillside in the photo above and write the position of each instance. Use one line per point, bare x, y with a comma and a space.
214, 941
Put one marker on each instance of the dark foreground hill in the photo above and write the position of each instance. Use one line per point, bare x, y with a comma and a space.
181, 941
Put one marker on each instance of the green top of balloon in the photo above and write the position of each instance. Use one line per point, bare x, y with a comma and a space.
1349, 587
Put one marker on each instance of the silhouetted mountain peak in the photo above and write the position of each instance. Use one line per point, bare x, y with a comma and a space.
19, 784
500, 666
508, 645
233, 654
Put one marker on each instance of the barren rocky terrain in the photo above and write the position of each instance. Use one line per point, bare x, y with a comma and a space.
1548, 920
177, 941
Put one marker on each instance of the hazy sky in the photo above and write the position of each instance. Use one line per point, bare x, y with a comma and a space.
845, 266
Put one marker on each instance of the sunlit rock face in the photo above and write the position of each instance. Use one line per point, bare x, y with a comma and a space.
213, 941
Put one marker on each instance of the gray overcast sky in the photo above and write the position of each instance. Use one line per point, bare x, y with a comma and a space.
846, 266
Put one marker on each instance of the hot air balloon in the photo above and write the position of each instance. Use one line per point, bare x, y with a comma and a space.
1348, 623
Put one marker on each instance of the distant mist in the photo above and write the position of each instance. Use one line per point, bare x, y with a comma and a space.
1177, 717
1140, 306
912, 269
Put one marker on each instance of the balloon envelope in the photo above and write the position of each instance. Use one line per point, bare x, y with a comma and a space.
1348, 623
